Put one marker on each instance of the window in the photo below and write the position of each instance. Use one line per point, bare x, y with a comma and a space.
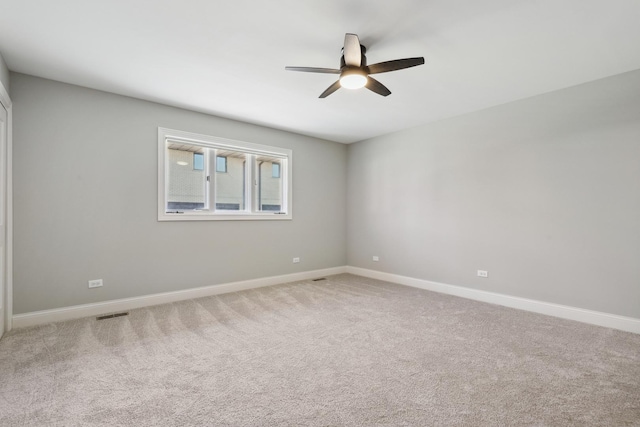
198, 161
227, 180
221, 164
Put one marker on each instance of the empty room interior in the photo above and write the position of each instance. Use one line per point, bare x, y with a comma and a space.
323, 213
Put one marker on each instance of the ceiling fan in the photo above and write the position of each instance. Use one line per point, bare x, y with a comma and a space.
354, 71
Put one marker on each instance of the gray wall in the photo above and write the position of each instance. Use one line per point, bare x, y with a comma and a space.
85, 202
544, 193
4, 74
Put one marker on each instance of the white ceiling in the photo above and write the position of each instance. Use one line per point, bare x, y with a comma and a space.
227, 58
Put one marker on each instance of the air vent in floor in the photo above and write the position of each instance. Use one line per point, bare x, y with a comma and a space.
111, 316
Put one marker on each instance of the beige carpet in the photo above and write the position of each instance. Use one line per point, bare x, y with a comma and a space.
345, 351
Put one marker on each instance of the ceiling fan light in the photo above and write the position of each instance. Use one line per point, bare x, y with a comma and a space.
353, 80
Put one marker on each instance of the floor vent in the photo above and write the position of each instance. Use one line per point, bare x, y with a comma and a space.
317, 280
111, 316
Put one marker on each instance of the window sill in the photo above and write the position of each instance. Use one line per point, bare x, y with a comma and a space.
207, 216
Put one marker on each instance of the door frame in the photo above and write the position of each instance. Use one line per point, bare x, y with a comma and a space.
5, 100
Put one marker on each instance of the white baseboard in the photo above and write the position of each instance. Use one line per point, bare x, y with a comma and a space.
628, 324
96, 309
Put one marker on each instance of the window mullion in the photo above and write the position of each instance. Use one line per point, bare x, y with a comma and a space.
284, 188
211, 177
249, 183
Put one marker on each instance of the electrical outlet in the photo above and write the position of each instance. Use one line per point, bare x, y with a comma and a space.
482, 273
95, 283
376, 258
296, 260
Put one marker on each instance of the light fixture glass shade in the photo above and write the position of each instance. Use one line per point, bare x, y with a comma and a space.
353, 79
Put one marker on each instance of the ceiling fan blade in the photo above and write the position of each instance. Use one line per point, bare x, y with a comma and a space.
352, 53
314, 70
334, 87
377, 87
396, 64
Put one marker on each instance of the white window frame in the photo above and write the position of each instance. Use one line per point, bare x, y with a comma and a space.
252, 150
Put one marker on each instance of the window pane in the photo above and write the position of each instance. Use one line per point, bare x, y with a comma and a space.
198, 161
230, 186
185, 184
269, 185
221, 164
